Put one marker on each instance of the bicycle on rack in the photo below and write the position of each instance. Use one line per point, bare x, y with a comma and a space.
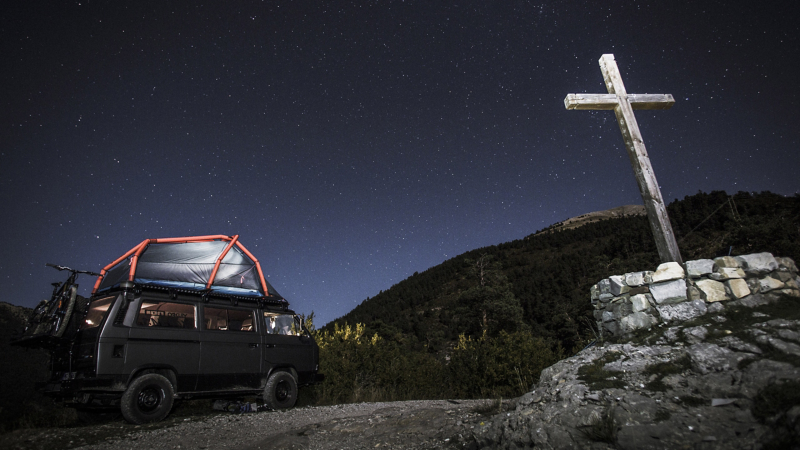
50, 317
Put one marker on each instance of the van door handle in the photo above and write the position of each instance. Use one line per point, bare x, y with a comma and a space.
269, 346
253, 345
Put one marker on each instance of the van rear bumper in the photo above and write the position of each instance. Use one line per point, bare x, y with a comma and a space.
69, 388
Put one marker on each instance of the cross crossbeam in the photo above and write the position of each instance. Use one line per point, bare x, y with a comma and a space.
623, 105
610, 101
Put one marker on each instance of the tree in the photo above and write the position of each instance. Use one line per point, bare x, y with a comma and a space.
492, 305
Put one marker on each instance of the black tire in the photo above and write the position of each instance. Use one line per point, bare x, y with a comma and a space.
148, 398
66, 310
280, 391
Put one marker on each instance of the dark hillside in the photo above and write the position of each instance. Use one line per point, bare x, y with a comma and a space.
430, 309
21, 406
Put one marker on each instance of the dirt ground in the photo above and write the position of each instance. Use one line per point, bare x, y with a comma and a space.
400, 425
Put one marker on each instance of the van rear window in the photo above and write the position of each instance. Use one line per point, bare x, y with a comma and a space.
228, 319
97, 312
165, 314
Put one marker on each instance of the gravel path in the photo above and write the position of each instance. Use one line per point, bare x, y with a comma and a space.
401, 425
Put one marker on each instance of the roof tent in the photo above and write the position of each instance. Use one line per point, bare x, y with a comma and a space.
215, 264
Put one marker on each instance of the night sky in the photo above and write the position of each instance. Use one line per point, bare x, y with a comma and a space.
351, 144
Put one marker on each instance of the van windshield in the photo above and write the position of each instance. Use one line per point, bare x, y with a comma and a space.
97, 312
287, 324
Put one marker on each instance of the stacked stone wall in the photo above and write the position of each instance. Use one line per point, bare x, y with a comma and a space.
676, 293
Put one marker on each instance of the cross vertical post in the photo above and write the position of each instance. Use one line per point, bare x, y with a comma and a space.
623, 105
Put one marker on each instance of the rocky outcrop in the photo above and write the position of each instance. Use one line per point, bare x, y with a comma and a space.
727, 377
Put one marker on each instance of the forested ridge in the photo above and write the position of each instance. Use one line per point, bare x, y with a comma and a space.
548, 274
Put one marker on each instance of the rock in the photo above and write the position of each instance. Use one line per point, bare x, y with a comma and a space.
738, 288
692, 293
712, 291
789, 334
695, 334
669, 292
781, 345
726, 261
767, 284
622, 309
635, 279
754, 285
594, 292
640, 303
611, 327
739, 345
636, 321
529, 398
700, 267
645, 436
671, 334
758, 263
753, 300
707, 357
783, 276
639, 290
780, 323
668, 271
715, 308
785, 263
726, 273
764, 372
618, 286
682, 311
604, 286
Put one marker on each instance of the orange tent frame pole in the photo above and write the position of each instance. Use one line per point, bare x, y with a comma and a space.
117, 261
258, 267
219, 261
135, 258
191, 239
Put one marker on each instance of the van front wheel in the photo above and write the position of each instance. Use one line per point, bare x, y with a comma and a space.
280, 391
149, 398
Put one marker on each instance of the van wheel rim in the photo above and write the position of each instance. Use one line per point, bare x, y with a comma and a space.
282, 391
150, 398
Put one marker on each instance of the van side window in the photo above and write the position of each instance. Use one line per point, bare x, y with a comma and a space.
165, 314
287, 324
96, 313
228, 319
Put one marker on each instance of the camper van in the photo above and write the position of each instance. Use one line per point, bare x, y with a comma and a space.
179, 318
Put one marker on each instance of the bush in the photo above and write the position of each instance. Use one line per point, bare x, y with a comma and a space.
359, 367
504, 366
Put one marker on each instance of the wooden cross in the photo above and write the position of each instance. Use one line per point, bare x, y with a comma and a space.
623, 105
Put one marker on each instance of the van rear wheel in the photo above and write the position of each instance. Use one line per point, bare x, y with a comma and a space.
280, 391
149, 398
